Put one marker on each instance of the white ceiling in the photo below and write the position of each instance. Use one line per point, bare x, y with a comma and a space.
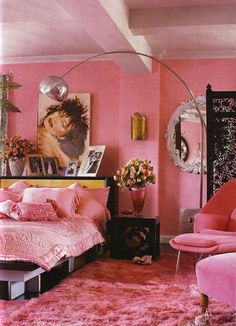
59, 30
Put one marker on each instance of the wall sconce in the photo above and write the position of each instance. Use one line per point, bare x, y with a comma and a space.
138, 126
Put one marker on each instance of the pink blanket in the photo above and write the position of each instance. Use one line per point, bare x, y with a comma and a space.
45, 243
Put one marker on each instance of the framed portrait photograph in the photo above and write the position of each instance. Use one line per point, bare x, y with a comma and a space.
35, 165
50, 165
71, 169
92, 161
64, 127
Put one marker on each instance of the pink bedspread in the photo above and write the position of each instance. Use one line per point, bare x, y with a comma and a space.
45, 243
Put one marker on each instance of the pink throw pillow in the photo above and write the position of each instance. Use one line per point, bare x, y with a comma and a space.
8, 195
232, 221
66, 199
2, 216
90, 207
101, 194
19, 186
53, 203
33, 212
6, 207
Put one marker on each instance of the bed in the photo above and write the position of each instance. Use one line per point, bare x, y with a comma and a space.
31, 246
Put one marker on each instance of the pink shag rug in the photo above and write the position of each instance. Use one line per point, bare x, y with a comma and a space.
111, 292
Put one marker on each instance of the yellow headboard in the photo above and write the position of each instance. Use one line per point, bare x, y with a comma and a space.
64, 182
57, 183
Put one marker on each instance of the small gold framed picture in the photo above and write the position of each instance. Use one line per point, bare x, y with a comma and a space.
35, 165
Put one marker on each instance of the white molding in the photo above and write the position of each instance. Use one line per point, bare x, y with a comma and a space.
50, 58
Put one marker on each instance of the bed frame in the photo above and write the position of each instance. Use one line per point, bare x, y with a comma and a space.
16, 278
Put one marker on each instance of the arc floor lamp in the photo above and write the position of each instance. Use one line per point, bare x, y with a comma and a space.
56, 88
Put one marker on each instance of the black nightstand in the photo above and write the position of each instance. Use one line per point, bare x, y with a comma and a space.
134, 236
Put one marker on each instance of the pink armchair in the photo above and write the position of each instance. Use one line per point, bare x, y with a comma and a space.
216, 277
214, 226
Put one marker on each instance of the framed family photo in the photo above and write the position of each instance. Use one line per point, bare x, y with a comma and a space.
71, 169
50, 165
64, 127
35, 165
90, 165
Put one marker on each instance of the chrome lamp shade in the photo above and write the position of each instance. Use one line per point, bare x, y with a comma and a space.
54, 87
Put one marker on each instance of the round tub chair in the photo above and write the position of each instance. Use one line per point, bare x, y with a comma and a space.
214, 227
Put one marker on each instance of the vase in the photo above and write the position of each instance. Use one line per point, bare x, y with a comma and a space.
138, 195
16, 167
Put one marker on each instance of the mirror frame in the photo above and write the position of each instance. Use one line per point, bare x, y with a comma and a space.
174, 154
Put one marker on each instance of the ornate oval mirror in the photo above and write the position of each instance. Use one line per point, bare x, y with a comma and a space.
183, 135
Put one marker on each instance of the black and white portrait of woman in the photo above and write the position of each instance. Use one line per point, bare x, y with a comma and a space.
63, 127
92, 161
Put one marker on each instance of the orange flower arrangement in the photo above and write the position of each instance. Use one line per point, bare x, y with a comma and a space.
16, 147
135, 173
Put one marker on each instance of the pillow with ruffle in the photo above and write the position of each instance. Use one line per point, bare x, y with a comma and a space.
8, 195
66, 200
101, 194
24, 211
92, 209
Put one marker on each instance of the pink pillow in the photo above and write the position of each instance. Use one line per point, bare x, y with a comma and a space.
6, 207
19, 186
101, 194
232, 221
5, 195
3, 216
66, 199
53, 203
90, 207
33, 212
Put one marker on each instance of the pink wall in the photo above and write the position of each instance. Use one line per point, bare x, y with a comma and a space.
89, 78
140, 93
115, 96
179, 189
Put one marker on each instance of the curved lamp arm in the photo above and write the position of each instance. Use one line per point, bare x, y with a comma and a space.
56, 88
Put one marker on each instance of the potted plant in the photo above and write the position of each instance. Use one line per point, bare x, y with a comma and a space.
15, 149
135, 175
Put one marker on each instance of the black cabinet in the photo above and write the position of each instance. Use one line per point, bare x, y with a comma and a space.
134, 236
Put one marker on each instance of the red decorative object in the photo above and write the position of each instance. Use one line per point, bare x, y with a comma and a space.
138, 195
